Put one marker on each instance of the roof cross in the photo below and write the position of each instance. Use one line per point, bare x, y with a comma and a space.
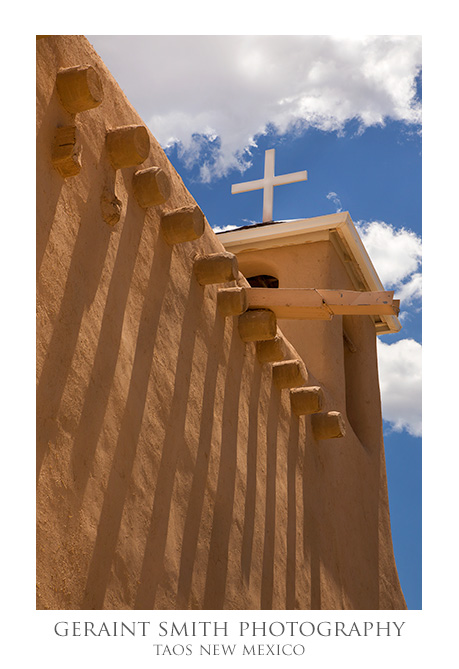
267, 184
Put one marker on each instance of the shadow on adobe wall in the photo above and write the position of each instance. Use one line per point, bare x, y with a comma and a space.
81, 285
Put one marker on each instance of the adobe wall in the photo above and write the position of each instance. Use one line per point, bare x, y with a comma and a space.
357, 513
171, 472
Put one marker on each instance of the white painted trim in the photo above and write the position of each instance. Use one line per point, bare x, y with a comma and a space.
281, 231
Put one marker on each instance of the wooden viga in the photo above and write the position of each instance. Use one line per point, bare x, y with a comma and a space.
79, 89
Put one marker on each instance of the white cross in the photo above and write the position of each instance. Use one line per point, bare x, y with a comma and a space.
268, 183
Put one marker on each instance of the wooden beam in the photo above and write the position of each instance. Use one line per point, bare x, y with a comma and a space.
290, 302
354, 302
323, 304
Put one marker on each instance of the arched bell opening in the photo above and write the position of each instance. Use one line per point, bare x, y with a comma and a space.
263, 281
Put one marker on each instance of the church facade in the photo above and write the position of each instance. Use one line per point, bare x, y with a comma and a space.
209, 431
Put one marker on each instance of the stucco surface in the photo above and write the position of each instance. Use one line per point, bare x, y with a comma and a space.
171, 472
348, 493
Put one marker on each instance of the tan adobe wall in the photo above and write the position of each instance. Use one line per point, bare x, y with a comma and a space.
171, 472
352, 467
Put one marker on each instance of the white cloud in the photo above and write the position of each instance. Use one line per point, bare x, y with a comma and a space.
213, 95
400, 379
225, 228
411, 290
332, 196
396, 255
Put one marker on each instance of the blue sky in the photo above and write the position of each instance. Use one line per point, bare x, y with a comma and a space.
345, 109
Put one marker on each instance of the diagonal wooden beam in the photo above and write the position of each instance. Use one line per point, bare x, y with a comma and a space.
353, 302
314, 304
